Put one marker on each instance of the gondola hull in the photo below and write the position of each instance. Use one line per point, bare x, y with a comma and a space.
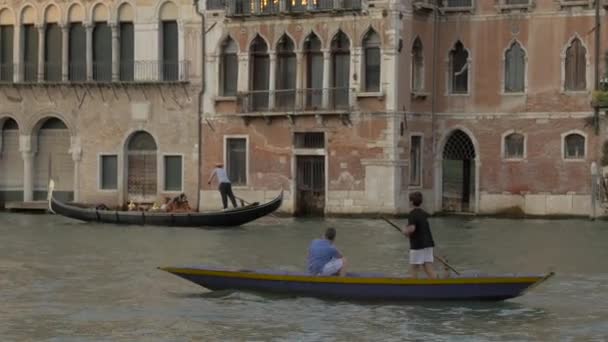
228, 218
360, 286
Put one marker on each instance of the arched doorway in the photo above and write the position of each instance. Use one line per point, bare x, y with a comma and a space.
141, 168
458, 173
11, 163
53, 161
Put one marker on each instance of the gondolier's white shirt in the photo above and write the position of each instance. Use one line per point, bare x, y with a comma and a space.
222, 177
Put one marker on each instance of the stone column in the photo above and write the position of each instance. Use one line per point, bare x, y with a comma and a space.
41, 44
300, 92
89, 52
242, 86
326, 77
76, 152
115, 52
28, 176
272, 82
17, 54
355, 75
65, 44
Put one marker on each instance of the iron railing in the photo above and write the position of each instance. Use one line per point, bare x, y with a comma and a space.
430, 3
516, 2
273, 7
294, 100
457, 3
138, 71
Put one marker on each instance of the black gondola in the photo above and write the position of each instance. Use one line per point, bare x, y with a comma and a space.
227, 218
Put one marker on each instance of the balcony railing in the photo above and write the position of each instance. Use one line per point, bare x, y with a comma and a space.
294, 100
237, 8
505, 5
135, 72
457, 5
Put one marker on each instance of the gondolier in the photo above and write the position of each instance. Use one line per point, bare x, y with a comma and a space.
225, 186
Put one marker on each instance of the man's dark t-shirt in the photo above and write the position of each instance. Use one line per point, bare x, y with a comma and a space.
421, 237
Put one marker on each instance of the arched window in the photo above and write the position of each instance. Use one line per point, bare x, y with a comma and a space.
30, 45
127, 46
141, 167
260, 73
574, 146
514, 146
576, 66
371, 55
102, 45
77, 46
52, 45
286, 73
459, 70
417, 66
169, 42
515, 69
229, 68
6, 46
340, 53
314, 71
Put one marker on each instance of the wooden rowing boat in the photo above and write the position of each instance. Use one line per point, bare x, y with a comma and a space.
228, 218
365, 287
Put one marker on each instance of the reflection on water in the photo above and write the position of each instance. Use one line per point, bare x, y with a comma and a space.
62, 280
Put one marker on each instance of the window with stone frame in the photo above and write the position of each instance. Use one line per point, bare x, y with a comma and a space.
102, 52
340, 66
371, 50
459, 69
515, 69
514, 146
29, 57
77, 60
415, 160
314, 72
236, 160
229, 68
6, 51
173, 173
574, 146
286, 70
109, 172
576, 66
259, 61
417, 66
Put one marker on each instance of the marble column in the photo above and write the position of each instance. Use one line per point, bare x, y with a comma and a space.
65, 44
115, 52
41, 44
89, 52
326, 77
272, 82
300, 91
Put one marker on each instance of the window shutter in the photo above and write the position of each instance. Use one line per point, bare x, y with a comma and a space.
126, 52
77, 53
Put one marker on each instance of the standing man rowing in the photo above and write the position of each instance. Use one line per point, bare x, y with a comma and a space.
225, 187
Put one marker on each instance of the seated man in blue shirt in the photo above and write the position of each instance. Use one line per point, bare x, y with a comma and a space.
324, 258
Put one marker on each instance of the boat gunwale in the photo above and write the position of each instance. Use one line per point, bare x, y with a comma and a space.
225, 213
250, 275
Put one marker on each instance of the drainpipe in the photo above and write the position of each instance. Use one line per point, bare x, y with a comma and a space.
434, 96
200, 107
596, 110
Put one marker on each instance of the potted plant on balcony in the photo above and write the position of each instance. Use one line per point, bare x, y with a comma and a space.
600, 99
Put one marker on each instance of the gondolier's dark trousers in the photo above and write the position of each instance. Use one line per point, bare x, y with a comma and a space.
226, 191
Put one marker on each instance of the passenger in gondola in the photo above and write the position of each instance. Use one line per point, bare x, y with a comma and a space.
324, 258
165, 206
180, 204
225, 186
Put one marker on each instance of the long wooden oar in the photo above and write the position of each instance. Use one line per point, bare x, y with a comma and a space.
442, 260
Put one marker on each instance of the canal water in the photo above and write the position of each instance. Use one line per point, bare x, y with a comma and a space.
63, 280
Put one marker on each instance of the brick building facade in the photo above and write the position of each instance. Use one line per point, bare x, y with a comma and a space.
349, 106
